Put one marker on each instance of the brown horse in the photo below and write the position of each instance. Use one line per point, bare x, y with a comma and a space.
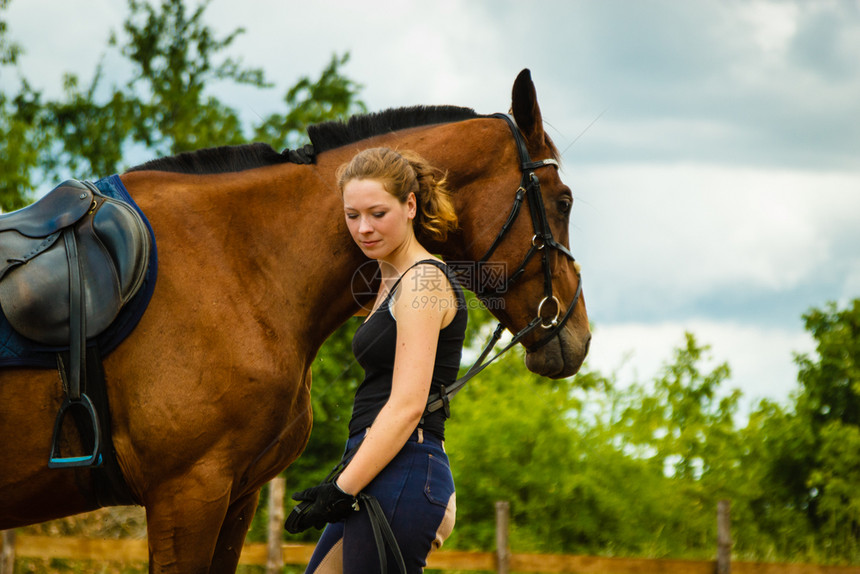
210, 394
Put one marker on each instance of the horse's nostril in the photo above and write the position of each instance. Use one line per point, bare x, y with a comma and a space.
587, 344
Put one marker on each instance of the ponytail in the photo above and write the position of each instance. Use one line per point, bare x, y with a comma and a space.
435, 216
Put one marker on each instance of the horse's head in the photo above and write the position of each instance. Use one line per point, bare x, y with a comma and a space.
513, 208
515, 218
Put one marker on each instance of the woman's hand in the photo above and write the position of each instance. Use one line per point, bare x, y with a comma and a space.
318, 506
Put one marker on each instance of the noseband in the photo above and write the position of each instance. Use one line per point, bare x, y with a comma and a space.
542, 241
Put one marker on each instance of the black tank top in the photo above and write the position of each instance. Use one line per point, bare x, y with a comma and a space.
374, 343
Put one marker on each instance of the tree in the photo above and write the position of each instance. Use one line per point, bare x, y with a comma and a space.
682, 426
9, 50
331, 96
166, 107
20, 134
176, 58
562, 453
683, 415
830, 385
806, 455
508, 439
22, 140
91, 137
828, 410
835, 481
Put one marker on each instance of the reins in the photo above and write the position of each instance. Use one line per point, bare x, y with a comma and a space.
542, 240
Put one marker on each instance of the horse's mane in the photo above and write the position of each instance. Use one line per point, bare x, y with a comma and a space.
324, 137
330, 135
226, 159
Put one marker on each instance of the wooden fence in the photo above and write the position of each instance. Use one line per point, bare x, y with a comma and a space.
277, 554
125, 550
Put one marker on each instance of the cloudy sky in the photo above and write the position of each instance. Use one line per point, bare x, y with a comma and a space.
713, 147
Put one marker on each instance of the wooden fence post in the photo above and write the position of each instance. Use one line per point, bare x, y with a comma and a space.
724, 537
7, 552
503, 551
275, 557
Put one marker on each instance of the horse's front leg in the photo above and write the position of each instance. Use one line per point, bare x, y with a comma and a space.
232, 536
184, 517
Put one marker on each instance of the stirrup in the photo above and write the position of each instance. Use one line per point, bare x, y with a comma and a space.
95, 459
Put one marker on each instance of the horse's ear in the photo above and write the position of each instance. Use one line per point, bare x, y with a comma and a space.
525, 108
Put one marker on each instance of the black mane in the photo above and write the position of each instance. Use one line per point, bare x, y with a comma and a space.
226, 159
330, 135
324, 136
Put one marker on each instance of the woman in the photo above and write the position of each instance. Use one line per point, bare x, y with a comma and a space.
409, 346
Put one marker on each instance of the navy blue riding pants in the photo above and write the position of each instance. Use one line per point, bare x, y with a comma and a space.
416, 493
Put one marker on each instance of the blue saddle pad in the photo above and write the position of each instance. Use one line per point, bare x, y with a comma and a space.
18, 351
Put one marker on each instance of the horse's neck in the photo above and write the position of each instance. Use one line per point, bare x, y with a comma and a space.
315, 258
278, 230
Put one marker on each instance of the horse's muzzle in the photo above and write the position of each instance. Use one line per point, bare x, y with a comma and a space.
560, 357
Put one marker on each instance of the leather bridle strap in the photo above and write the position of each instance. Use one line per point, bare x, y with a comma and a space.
542, 241
383, 536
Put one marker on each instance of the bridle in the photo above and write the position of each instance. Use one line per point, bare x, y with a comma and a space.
542, 239
542, 242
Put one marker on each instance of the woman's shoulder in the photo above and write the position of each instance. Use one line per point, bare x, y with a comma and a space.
428, 276
426, 287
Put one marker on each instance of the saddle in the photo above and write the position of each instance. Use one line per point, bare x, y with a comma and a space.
68, 264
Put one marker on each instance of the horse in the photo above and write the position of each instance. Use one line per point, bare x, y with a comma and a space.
210, 393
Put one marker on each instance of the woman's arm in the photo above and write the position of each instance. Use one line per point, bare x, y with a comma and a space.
420, 307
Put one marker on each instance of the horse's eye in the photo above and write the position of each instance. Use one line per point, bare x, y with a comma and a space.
564, 204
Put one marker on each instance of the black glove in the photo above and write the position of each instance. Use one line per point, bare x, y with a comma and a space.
319, 505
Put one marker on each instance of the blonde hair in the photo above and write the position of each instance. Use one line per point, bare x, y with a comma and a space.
402, 173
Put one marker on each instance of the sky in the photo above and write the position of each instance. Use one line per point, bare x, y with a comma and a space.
713, 147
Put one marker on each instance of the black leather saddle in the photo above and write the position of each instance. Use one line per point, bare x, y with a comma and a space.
68, 264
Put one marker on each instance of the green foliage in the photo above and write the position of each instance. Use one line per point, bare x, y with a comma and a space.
495, 449
835, 480
309, 102
808, 455
583, 467
166, 107
21, 141
91, 134
20, 128
683, 420
9, 51
830, 386
590, 467
175, 59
